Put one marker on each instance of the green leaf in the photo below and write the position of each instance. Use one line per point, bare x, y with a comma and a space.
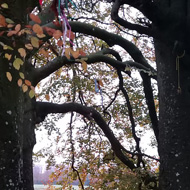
31, 93
17, 63
4, 5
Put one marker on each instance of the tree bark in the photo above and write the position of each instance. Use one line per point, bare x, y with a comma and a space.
174, 120
16, 132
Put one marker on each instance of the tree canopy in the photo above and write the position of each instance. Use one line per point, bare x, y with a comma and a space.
97, 63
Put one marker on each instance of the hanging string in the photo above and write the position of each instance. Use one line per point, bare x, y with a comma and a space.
178, 72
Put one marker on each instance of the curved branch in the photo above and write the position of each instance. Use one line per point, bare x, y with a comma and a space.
140, 29
58, 62
44, 108
110, 38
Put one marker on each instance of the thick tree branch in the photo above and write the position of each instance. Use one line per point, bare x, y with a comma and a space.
58, 62
110, 38
150, 103
44, 108
140, 29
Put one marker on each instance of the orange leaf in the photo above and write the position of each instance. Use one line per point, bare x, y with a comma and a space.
75, 54
84, 65
44, 52
60, 43
57, 34
19, 82
2, 21
37, 29
27, 82
22, 52
35, 18
9, 76
47, 97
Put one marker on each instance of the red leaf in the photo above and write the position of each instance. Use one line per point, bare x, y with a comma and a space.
35, 18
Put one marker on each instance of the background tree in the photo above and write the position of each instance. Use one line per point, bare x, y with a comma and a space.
29, 54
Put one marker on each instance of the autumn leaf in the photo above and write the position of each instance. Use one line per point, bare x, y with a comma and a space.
75, 54
2, 21
9, 76
22, 52
9, 21
44, 52
8, 56
37, 29
35, 42
17, 28
47, 97
21, 75
29, 46
57, 34
27, 82
31, 93
60, 43
49, 31
24, 88
4, 5
19, 82
35, 18
17, 63
84, 65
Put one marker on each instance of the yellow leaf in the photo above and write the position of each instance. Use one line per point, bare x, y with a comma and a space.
47, 97
17, 63
29, 46
7, 56
35, 42
24, 88
41, 35
5, 47
9, 21
31, 93
4, 5
19, 82
21, 75
9, 76
84, 65
22, 52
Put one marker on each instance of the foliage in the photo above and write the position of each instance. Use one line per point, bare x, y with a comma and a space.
86, 70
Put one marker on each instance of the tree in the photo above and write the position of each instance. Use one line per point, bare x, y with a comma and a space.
22, 38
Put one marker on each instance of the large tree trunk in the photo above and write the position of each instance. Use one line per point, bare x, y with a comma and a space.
16, 133
174, 115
